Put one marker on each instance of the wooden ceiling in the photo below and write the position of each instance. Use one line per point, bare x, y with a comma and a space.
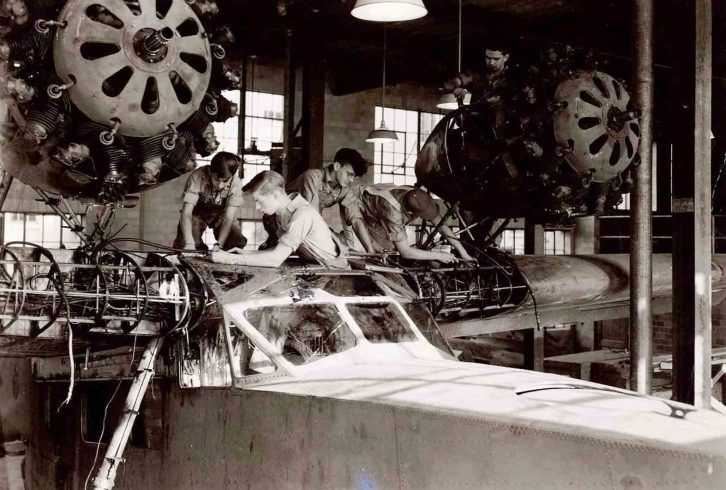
423, 51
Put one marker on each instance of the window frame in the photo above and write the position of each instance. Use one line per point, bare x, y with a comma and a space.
65, 230
381, 151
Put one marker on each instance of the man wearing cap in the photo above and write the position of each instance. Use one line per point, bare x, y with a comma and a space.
379, 214
326, 187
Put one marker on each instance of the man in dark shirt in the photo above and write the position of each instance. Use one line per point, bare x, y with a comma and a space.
488, 88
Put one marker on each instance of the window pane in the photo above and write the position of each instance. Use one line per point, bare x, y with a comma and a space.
303, 333
401, 155
549, 245
13, 226
263, 122
51, 231
33, 228
381, 323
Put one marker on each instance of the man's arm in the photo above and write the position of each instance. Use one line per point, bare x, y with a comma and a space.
408, 252
347, 231
259, 258
361, 231
458, 83
230, 214
454, 242
186, 226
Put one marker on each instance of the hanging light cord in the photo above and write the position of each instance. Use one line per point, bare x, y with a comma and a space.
383, 97
459, 71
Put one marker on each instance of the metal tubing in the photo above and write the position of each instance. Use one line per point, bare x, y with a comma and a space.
106, 475
702, 206
641, 227
6, 181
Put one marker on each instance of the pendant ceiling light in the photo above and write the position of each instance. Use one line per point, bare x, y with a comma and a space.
382, 134
388, 10
449, 101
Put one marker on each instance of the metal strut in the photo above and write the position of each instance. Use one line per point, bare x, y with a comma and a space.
106, 475
68, 216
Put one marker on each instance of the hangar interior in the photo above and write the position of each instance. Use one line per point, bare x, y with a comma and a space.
614, 276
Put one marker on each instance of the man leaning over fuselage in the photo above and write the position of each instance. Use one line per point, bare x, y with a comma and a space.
299, 228
379, 214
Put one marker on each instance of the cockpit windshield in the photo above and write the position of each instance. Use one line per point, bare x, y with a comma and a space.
303, 333
381, 322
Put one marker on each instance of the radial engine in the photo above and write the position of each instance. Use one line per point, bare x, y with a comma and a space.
559, 142
101, 98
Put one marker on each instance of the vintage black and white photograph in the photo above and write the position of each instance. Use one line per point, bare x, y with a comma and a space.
362, 244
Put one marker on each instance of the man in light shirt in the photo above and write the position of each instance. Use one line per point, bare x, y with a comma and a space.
300, 229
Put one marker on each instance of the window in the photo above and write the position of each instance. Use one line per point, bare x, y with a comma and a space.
513, 241
46, 230
557, 242
394, 162
263, 124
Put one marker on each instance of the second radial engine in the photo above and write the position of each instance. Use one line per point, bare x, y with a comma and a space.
559, 143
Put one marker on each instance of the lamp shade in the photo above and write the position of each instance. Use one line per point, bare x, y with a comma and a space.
388, 10
382, 135
448, 101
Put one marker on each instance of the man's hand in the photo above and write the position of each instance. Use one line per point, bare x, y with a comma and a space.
237, 250
216, 248
467, 258
190, 246
446, 257
459, 93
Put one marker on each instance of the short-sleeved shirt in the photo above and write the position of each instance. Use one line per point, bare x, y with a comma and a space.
208, 202
300, 227
319, 183
380, 208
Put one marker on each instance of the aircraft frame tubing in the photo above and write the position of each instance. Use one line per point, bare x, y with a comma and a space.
110, 286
